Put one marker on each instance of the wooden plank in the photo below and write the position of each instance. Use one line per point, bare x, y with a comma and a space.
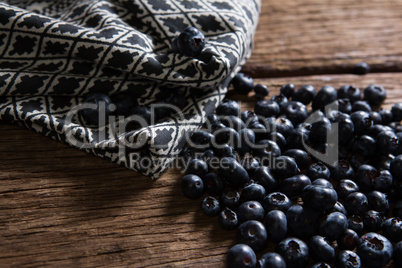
315, 37
64, 208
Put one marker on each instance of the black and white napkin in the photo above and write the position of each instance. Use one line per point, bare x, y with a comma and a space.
54, 53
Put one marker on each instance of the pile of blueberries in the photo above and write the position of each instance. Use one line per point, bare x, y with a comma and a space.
291, 209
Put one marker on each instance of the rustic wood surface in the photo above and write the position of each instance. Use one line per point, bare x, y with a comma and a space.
60, 207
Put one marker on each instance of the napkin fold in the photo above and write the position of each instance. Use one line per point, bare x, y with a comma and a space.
54, 53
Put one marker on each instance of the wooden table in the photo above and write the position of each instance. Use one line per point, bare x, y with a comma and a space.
61, 207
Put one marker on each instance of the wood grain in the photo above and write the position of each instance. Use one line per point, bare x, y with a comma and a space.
326, 37
61, 207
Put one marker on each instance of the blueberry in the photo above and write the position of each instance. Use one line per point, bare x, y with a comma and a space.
374, 250
377, 129
347, 240
267, 108
324, 96
250, 210
346, 128
396, 110
396, 168
333, 225
210, 206
250, 164
228, 107
288, 90
253, 192
297, 138
398, 254
228, 219
264, 177
296, 112
386, 142
365, 176
230, 198
376, 117
249, 117
355, 223
281, 100
293, 186
278, 138
190, 42
192, 186
213, 184
392, 229
361, 105
226, 135
99, 106
342, 170
253, 234
322, 183
344, 106
266, 150
300, 156
216, 126
362, 122
276, 225
276, 201
305, 94
356, 203
261, 91
233, 122
374, 94
272, 260
350, 92
361, 68
242, 83
280, 124
378, 201
233, 172
364, 145
209, 157
294, 251
338, 207
383, 182
197, 167
318, 170
319, 131
224, 150
372, 221
382, 162
259, 130
320, 249
302, 221
346, 187
284, 167
212, 118
397, 211
319, 197
246, 141
201, 139
347, 259
241, 256
386, 116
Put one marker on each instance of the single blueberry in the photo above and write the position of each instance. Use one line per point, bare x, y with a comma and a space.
253, 234
192, 186
241, 256
190, 42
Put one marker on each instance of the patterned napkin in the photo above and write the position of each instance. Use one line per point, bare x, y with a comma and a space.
54, 53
